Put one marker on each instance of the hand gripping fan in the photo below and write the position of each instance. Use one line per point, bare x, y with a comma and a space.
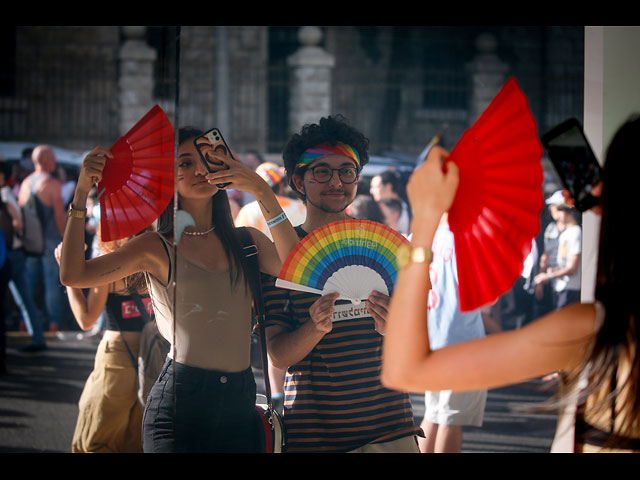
496, 211
350, 257
137, 183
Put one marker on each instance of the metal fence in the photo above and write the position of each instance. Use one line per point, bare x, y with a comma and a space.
70, 101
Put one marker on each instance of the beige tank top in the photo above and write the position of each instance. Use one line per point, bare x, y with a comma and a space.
212, 317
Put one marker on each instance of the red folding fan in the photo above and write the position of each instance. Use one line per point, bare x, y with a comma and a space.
137, 183
496, 211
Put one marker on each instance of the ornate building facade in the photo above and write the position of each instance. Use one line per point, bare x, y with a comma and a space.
77, 87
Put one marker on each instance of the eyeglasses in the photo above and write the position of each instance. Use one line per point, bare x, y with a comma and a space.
322, 174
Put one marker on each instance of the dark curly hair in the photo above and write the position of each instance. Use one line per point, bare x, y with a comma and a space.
331, 129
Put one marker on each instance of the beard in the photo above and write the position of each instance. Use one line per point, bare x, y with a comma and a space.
330, 207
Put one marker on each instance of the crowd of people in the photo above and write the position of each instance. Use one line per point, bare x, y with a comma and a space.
341, 386
31, 277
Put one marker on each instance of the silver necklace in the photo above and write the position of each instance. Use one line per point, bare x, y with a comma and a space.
199, 234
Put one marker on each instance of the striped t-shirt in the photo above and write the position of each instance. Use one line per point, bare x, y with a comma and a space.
334, 401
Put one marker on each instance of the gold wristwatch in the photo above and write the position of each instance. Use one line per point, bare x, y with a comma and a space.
77, 212
408, 255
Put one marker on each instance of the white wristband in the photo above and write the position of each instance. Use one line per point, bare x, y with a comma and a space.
276, 220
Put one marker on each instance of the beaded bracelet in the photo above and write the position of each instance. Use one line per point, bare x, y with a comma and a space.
277, 220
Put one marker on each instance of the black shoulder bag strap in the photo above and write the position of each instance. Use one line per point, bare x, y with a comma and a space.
251, 255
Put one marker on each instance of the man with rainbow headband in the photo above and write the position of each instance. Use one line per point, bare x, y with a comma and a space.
334, 401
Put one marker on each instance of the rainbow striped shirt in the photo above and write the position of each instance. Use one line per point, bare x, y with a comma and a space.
334, 401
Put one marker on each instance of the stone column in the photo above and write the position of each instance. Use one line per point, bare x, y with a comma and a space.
488, 73
136, 77
311, 69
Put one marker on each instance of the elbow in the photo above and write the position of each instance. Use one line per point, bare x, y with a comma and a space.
86, 325
388, 380
277, 363
394, 378
67, 279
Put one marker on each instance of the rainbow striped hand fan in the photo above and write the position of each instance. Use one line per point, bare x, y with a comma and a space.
350, 257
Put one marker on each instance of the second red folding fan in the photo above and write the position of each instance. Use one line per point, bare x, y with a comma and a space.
496, 211
137, 183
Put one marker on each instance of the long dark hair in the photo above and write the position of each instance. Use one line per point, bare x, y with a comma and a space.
221, 218
617, 285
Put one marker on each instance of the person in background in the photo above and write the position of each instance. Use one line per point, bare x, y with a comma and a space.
252, 159
44, 269
251, 216
392, 209
366, 208
18, 276
7, 219
566, 275
544, 290
388, 185
447, 412
110, 415
594, 346
68, 184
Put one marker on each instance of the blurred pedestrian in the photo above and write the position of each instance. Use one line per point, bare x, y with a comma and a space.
388, 185
447, 412
566, 274
19, 286
250, 215
545, 293
392, 209
366, 208
43, 270
110, 414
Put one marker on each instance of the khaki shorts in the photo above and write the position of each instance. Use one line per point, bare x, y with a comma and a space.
455, 408
110, 417
401, 445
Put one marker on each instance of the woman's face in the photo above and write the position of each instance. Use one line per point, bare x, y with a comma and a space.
192, 181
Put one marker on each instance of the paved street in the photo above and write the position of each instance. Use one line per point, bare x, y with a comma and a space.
39, 395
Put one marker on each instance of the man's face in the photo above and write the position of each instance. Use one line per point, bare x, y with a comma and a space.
332, 196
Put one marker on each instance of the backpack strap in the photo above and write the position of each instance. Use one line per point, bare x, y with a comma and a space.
250, 250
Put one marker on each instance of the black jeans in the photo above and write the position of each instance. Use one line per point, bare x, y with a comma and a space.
211, 412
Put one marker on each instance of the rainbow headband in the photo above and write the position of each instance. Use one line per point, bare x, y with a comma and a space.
324, 149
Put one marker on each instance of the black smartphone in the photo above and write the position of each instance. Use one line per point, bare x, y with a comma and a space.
575, 162
209, 142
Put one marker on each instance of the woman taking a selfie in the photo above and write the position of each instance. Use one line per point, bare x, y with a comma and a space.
200, 289
594, 346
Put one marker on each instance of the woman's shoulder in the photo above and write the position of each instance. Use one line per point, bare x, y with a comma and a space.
151, 237
150, 247
577, 323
